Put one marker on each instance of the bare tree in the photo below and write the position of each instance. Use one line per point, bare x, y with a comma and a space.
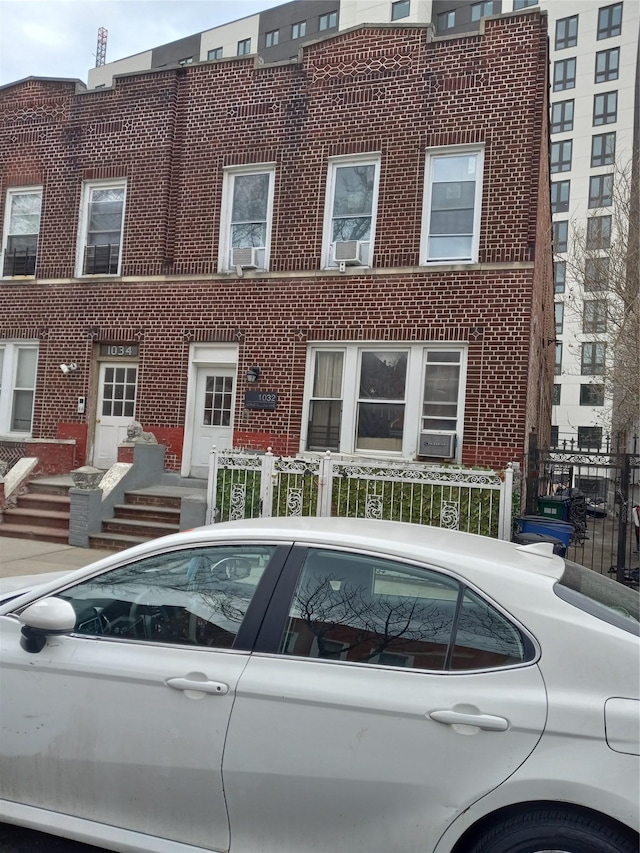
603, 291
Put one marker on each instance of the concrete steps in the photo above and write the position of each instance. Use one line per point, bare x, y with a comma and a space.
41, 514
142, 517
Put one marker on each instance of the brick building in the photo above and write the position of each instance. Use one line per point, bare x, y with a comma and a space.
368, 226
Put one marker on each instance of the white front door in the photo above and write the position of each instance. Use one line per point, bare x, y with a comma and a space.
212, 421
115, 410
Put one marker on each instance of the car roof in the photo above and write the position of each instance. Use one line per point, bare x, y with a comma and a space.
435, 545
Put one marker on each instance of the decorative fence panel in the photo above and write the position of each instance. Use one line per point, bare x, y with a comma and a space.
245, 485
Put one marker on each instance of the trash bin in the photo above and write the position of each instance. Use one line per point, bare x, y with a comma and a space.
554, 506
547, 527
559, 547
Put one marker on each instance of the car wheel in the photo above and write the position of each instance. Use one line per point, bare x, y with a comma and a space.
555, 831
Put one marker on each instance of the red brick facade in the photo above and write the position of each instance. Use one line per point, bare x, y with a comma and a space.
394, 91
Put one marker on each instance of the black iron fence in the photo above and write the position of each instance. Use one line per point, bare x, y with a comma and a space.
596, 493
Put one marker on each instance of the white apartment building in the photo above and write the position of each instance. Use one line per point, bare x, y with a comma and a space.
594, 120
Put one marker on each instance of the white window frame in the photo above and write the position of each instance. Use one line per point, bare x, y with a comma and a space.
9, 355
225, 241
12, 194
413, 401
88, 188
367, 246
432, 156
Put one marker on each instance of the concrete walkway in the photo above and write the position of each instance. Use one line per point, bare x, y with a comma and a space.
28, 557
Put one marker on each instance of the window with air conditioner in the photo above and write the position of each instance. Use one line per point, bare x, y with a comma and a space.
380, 399
21, 231
350, 211
101, 228
245, 226
18, 368
452, 206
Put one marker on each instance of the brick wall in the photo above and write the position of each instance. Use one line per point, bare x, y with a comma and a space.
394, 91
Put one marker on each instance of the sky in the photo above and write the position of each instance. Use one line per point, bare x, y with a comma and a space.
58, 38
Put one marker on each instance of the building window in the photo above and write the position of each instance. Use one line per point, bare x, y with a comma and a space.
101, 229
561, 153
605, 108
609, 21
566, 32
216, 53
245, 224
557, 389
554, 436
244, 47
384, 399
400, 10
592, 395
592, 359
272, 38
557, 366
596, 274
594, 316
559, 276
607, 65
21, 231
453, 200
329, 21
481, 10
562, 116
350, 211
598, 232
298, 30
600, 191
589, 438
188, 60
560, 235
564, 74
560, 196
18, 367
523, 4
446, 21
558, 313
603, 149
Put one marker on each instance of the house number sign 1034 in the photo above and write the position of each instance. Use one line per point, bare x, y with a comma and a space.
119, 350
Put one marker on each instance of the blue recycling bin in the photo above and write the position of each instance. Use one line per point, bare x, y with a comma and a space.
559, 547
547, 526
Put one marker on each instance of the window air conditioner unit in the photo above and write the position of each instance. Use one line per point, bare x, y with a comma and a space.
247, 257
441, 444
348, 252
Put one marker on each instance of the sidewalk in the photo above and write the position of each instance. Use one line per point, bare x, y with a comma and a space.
28, 557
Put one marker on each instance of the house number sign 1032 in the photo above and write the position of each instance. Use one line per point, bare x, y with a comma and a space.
119, 350
260, 400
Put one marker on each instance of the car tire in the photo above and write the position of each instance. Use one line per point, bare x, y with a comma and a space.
555, 831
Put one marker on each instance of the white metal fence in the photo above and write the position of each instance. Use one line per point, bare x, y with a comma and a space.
252, 485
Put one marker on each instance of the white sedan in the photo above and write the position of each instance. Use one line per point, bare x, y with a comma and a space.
324, 686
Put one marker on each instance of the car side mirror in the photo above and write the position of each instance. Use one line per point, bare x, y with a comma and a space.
43, 618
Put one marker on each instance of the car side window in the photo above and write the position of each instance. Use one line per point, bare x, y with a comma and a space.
485, 638
358, 608
195, 596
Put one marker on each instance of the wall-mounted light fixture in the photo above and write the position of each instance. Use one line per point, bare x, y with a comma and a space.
252, 374
68, 368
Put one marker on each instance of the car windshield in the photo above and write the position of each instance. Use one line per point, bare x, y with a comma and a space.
601, 596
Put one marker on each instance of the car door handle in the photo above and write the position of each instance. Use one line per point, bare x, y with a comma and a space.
481, 721
204, 686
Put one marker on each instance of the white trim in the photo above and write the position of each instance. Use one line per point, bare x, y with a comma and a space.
12, 192
8, 368
367, 246
431, 155
230, 173
414, 392
87, 188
